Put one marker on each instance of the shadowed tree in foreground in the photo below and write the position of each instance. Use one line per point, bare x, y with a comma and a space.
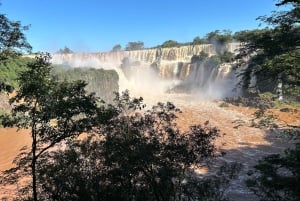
138, 155
274, 52
53, 111
278, 177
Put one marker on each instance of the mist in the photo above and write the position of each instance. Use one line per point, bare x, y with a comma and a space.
141, 80
172, 74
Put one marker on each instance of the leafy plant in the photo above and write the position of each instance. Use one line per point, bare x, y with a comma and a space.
138, 155
277, 177
53, 111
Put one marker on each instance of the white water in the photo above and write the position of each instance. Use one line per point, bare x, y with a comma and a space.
174, 69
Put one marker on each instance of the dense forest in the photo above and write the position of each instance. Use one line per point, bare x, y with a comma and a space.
131, 151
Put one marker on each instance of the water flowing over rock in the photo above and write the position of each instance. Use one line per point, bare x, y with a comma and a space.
183, 53
172, 69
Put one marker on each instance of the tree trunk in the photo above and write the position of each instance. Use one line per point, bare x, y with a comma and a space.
33, 166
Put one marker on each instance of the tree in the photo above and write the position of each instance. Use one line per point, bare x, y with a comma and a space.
12, 39
54, 111
198, 41
226, 56
199, 58
277, 177
12, 43
66, 50
138, 155
220, 39
117, 48
9, 70
274, 51
134, 46
170, 43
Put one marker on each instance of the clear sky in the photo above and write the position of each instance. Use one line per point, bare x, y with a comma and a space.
98, 25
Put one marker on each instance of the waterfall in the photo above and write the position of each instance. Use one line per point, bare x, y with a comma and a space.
171, 69
183, 53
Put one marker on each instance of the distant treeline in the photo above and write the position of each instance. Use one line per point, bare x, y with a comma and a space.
215, 37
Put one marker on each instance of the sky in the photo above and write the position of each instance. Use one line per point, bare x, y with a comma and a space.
98, 25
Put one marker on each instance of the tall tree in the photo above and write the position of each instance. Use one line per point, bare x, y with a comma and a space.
65, 50
198, 41
134, 46
54, 111
170, 43
274, 51
117, 48
12, 38
221, 37
12, 43
139, 155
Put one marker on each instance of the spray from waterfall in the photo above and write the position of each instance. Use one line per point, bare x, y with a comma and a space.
140, 80
157, 72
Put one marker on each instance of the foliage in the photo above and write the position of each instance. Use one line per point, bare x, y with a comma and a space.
220, 37
169, 43
139, 155
9, 69
134, 46
274, 51
12, 43
213, 187
278, 177
54, 111
117, 48
199, 58
252, 100
264, 119
226, 56
4, 115
99, 81
65, 50
12, 39
198, 41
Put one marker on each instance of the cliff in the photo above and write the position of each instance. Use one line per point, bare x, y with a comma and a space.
102, 82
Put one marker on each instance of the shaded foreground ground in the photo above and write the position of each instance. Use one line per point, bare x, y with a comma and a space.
241, 142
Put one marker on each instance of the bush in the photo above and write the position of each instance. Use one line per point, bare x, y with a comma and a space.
277, 177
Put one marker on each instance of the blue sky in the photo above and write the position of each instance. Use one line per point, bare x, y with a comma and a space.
98, 25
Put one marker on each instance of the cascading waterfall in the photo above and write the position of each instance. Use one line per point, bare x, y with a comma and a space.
161, 70
183, 53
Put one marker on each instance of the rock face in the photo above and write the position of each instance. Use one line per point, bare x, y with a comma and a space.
102, 82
